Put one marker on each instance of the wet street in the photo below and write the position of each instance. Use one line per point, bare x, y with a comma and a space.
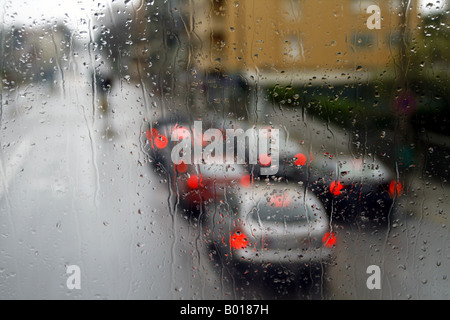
76, 189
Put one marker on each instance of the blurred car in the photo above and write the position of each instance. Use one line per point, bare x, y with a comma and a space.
274, 232
350, 187
197, 186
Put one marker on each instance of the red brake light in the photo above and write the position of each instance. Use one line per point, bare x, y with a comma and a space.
182, 167
395, 188
336, 187
238, 240
329, 240
246, 181
193, 182
161, 141
265, 160
301, 159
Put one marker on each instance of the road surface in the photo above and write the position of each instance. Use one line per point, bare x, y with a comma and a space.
76, 189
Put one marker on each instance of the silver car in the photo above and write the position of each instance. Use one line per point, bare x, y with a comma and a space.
271, 230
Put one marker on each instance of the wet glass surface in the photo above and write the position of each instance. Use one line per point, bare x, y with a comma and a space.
217, 149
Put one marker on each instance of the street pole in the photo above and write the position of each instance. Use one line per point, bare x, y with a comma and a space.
405, 101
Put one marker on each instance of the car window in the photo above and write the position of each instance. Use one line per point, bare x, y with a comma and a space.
147, 147
290, 215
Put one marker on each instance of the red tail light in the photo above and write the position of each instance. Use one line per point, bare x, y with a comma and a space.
194, 182
395, 188
161, 141
300, 159
246, 181
265, 160
156, 139
182, 167
238, 240
329, 240
336, 187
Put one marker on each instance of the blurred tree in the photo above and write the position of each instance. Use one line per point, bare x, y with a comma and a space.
144, 44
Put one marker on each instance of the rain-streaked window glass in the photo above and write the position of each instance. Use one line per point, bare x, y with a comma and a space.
224, 149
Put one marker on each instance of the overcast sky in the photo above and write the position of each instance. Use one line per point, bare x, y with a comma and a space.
71, 11
29, 11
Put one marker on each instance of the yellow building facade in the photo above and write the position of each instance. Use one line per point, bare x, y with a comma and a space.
297, 37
